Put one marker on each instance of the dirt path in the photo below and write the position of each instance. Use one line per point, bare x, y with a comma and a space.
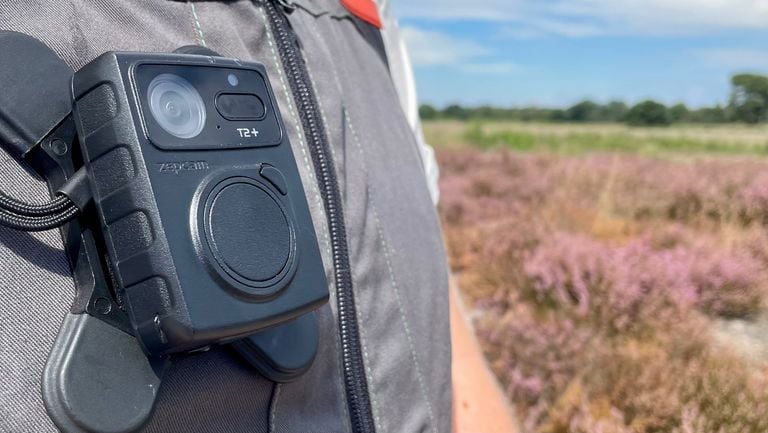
748, 337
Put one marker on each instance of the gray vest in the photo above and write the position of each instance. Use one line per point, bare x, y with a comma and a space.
398, 268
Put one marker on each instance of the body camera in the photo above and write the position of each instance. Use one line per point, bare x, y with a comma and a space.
205, 225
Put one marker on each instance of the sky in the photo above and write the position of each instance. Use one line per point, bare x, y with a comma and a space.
554, 53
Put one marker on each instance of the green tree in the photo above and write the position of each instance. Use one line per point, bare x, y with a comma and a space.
428, 112
613, 111
648, 113
716, 114
557, 115
455, 111
584, 111
678, 113
749, 98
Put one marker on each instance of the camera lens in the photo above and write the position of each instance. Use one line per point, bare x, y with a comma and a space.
176, 105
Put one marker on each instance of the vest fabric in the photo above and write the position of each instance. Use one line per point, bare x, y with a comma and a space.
396, 250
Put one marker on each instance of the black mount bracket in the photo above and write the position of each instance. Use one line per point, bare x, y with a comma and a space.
97, 377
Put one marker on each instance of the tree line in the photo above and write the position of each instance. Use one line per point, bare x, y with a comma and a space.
748, 104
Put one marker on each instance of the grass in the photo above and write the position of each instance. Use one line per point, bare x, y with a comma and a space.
574, 139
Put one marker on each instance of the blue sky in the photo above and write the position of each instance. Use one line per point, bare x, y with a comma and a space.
557, 52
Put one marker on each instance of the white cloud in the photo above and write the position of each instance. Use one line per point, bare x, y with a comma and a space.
580, 18
735, 59
551, 27
428, 48
670, 17
486, 10
500, 69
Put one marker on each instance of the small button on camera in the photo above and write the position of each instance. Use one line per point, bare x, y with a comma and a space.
274, 177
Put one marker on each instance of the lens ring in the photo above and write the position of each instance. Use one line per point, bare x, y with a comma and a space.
176, 105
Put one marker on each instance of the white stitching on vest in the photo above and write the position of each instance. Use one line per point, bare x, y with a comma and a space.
273, 410
198, 28
336, 335
313, 185
393, 280
359, 311
387, 251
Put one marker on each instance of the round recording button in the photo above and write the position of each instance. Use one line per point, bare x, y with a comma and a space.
248, 234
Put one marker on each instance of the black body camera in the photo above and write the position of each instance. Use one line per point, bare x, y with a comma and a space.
204, 220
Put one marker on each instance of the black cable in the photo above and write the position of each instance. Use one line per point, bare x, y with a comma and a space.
14, 206
70, 199
39, 223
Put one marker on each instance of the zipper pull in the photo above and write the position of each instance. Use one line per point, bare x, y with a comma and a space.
288, 5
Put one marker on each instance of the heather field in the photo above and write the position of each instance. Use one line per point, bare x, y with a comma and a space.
616, 276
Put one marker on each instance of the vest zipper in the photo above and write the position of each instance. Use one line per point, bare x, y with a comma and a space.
355, 384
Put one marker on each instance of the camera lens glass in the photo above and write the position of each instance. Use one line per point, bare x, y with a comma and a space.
176, 105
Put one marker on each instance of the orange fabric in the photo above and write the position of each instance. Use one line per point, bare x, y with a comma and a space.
366, 10
478, 402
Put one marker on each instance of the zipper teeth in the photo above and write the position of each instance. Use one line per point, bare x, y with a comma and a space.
354, 371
